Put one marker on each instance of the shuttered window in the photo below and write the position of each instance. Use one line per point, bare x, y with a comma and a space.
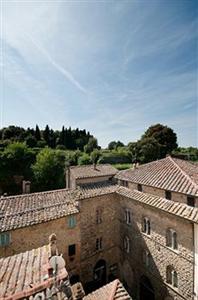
4, 239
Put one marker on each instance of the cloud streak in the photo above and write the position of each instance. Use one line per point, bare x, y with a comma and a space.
128, 65
58, 67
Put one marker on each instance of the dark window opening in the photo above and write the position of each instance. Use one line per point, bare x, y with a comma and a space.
98, 244
72, 250
191, 201
168, 195
139, 187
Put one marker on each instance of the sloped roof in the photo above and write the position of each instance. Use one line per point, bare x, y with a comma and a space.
176, 208
26, 210
25, 274
169, 173
111, 291
88, 171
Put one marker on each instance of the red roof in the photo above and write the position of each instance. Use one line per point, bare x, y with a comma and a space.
88, 171
111, 291
169, 174
26, 273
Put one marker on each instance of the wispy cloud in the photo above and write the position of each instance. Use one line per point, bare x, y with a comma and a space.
58, 67
113, 67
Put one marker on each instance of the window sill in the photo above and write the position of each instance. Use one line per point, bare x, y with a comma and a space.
146, 234
176, 251
172, 287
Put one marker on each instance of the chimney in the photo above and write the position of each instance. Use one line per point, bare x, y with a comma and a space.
52, 245
26, 187
67, 177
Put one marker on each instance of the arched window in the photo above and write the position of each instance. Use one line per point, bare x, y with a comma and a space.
127, 216
146, 226
98, 215
171, 276
171, 239
146, 258
126, 244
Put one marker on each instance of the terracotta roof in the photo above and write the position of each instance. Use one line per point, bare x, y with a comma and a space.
169, 173
26, 273
25, 210
88, 171
178, 209
111, 291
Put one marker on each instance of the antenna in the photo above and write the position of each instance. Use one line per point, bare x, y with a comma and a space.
57, 263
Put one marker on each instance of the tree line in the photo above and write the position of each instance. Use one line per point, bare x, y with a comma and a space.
45, 166
66, 138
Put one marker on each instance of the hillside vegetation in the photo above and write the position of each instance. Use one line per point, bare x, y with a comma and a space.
41, 156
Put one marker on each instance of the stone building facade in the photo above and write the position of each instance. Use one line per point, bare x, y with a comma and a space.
128, 230
80, 175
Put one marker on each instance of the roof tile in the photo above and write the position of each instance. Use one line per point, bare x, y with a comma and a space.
89, 171
169, 173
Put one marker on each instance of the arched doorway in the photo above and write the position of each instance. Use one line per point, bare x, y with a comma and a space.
146, 289
99, 274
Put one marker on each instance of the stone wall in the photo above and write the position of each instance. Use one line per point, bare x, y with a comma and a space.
161, 255
177, 197
92, 179
108, 229
129, 267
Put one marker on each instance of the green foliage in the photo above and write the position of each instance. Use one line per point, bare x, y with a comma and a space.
165, 136
95, 155
31, 141
45, 167
71, 157
60, 147
84, 159
114, 145
122, 166
37, 133
91, 145
156, 143
71, 139
15, 161
149, 150
48, 170
41, 144
115, 157
190, 153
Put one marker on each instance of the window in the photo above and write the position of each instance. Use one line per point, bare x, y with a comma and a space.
124, 183
72, 221
127, 216
171, 239
191, 201
5, 239
168, 195
98, 243
171, 276
126, 244
146, 258
139, 187
72, 250
146, 226
98, 216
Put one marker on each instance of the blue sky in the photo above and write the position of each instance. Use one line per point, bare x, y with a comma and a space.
111, 67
